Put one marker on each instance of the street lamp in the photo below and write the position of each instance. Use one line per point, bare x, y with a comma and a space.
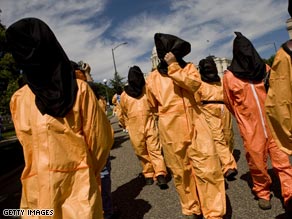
114, 54
271, 44
105, 83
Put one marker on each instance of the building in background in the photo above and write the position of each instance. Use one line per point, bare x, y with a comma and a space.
221, 63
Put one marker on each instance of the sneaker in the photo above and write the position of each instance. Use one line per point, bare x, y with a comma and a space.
230, 174
264, 204
149, 181
161, 182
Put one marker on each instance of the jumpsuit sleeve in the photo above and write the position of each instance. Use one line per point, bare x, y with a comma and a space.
152, 101
123, 105
187, 77
278, 103
114, 99
227, 95
97, 129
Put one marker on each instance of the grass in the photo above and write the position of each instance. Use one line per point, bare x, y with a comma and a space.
8, 134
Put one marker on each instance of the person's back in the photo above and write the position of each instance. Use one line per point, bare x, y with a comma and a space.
65, 138
184, 133
210, 101
244, 95
278, 102
140, 122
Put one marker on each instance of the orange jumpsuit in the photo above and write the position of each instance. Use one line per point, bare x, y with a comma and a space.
279, 101
210, 95
187, 141
143, 134
117, 107
63, 156
246, 102
228, 128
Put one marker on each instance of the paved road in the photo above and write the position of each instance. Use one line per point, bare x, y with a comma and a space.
137, 201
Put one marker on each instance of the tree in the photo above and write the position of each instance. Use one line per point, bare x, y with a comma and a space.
9, 74
117, 82
270, 60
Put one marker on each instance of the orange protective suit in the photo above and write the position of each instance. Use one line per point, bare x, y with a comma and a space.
228, 128
143, 134
246, 102
63, 156
188, 147
279, 101
210, 97
117, 107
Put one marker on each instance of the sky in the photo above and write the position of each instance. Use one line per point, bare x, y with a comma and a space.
94, 30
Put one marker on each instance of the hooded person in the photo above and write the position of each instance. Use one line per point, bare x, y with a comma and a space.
278, 102
188, 147
210, 97
244, 96
116, 102
143, 132
55, 115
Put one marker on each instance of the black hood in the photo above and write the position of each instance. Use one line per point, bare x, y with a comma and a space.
208, 70
136, 82
46, 68
165, 43
246, 63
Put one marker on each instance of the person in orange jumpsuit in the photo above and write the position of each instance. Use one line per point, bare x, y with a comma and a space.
142, 129
244, 95
210, 97
279, 101
188, 147
66, 137
105, 182
117, 107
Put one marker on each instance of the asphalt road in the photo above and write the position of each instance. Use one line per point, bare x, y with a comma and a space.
132, 198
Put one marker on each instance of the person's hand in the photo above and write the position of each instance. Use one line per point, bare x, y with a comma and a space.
169, 58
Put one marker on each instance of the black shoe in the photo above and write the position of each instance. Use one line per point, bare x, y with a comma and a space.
161, 182
230, 174
149, 181
288, 207
193, 216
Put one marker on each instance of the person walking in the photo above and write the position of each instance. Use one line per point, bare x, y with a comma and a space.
66, 136
244, 96
188, 146
140, 122
210, 99
278, 102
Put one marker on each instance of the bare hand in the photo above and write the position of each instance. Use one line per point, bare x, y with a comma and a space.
169, 58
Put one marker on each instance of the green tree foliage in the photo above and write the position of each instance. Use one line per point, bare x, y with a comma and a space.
117, 82
270, 60
9, 74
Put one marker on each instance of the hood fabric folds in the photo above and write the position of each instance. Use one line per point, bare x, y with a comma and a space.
208, 70
168, 43
46, 68
246, 63
136, 82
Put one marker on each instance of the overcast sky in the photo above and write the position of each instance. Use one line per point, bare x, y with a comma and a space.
88, 30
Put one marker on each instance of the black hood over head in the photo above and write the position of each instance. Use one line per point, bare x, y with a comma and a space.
46, 68
165, 43
208, 70
246, 63
136, 82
